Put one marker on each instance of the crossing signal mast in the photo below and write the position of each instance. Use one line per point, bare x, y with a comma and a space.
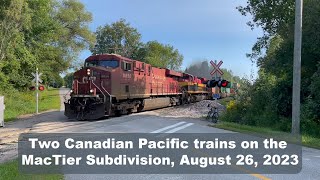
37, 88
217, 82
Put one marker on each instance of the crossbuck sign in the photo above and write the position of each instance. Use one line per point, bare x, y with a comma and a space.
216, 68
36, 77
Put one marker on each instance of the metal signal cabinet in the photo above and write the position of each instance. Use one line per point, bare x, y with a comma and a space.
2, 107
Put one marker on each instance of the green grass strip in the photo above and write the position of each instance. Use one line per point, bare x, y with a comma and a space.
9, 171
19, 103
306, 140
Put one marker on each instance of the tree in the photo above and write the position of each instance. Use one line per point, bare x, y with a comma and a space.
273, 16
268, 101
68, 80
118, 37
12, 19
50, 35
160, 55
74, 33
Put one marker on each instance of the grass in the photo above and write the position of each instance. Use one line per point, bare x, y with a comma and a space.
9, 171
19, 103
306, 140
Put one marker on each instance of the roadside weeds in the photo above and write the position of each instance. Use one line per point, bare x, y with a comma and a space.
267, 132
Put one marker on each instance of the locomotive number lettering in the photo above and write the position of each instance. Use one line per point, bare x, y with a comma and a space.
126, 76
159, 77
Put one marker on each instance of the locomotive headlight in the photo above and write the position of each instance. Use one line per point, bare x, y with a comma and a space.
71, 91
91, 91
88, 72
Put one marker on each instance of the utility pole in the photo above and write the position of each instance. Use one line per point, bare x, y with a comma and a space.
296, 88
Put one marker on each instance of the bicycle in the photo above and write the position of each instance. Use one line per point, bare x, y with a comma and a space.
213, 114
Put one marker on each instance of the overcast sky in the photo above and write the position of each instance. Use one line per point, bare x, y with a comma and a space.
199, 29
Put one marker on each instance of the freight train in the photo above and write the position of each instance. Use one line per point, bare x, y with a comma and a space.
112, 85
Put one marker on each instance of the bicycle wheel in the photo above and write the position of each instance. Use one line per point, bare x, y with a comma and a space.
214, 117
209, 115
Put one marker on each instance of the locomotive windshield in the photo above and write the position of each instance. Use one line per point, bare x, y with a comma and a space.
103, 63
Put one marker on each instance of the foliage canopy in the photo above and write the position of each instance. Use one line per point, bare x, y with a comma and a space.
48, 34
268, 101
120, 38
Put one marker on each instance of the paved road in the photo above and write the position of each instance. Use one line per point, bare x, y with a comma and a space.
151, 121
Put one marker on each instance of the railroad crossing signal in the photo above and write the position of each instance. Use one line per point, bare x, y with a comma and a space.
216, 68
37, 80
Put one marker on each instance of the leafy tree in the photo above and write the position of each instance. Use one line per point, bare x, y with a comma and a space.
12, 17
272, 91
68, 79
49, 35
273, 16
118, 37
160, 55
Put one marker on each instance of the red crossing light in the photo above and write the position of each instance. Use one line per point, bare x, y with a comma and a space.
41, 88
32, 88
224, 83
212, 83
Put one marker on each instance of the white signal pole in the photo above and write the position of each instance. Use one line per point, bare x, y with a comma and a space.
215, 74
297, 68
37, 80
215, 88
37, 91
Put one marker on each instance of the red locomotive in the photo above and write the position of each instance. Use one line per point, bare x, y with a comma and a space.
110, 84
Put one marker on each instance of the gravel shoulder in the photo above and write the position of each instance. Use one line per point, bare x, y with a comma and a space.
10, 133
195, 110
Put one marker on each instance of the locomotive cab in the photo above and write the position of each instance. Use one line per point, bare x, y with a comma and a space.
91, 93
106, 63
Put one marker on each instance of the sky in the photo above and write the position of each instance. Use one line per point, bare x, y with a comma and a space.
199, 29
